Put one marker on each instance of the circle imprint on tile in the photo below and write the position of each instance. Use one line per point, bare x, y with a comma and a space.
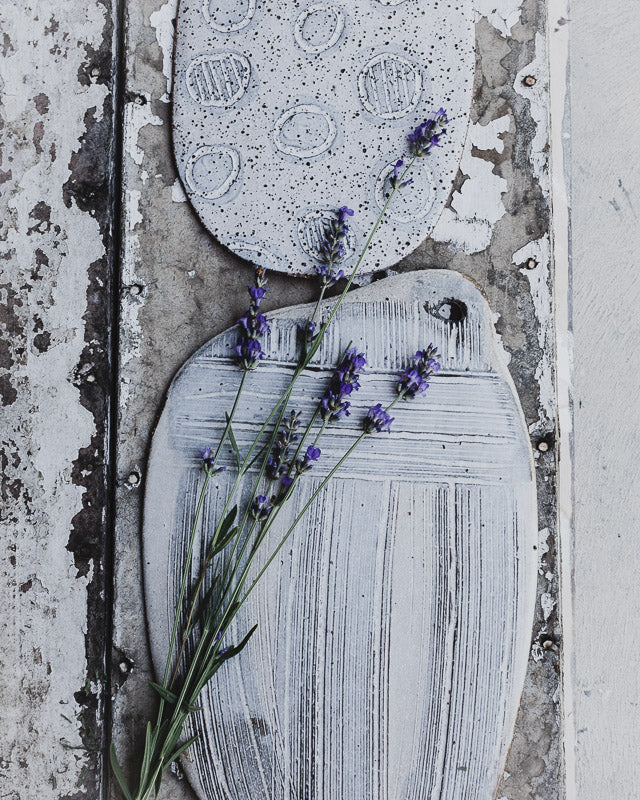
319, 27
212, 170
255, 254
228, 16
218, 79
311, 231
304, 131
390, 86
412, 203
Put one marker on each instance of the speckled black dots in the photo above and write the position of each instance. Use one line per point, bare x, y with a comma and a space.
281, 116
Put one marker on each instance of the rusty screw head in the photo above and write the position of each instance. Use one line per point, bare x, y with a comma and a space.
531, 263
529, 80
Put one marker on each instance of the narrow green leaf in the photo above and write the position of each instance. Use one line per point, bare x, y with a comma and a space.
119, 775
222, 535
205, 600
229, 520
147, 754
261, 453
181, 750
234, 444
230, 652
165, 694
223, 541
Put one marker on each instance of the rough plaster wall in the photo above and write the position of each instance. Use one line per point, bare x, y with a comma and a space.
606, 297
55, 113
180, 288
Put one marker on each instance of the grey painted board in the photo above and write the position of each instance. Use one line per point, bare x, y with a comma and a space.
284, 112
601, 592
56, 67
394, 630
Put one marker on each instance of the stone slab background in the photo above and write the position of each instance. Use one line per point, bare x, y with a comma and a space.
84, 125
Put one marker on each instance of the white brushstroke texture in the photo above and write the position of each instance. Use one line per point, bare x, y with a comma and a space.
394, 629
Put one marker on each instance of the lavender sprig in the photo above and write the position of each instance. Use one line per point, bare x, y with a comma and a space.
277, 461
332, 248
427, 135
377, 420
253, 325
414, 380
344, 382
216, 609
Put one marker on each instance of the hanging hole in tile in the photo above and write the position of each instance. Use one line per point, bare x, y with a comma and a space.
449, 310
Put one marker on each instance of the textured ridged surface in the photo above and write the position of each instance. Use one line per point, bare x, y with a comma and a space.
394, 629
284, 111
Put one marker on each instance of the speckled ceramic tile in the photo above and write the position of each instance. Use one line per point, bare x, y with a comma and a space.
285, 111
394, 629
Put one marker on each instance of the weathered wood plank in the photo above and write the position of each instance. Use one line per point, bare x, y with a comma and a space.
55, 136
602, 586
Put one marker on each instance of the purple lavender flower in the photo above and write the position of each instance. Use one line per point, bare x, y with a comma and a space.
344, 382
261, 507
427, 135
253, 325
308, 331
332, 248
377, 420
394, 180
222, 650
414, 379
208, 457
310, 457
276, 463
286, 481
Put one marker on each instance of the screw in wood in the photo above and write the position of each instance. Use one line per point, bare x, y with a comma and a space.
529, 80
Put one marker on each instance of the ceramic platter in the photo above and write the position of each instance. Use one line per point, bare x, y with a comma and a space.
394, 629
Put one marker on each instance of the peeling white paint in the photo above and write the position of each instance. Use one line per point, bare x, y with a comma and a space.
538, 97
132, 208
543, 548
162, 21
502, 14
136, 116
46, 425
540, 284
468, 223
177, 192
547, 603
